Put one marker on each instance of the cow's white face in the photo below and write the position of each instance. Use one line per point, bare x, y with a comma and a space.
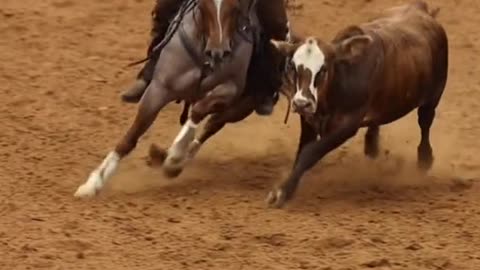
309, 64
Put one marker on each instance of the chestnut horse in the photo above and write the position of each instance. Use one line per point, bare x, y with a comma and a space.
205, 63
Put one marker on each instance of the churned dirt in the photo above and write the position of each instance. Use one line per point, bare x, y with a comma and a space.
61, 73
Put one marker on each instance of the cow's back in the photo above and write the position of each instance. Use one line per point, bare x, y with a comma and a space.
413, 60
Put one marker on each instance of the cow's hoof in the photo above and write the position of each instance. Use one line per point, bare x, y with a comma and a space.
276, 198
425, 158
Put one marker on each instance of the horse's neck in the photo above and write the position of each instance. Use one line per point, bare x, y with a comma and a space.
190, 36
191, 25
248, 6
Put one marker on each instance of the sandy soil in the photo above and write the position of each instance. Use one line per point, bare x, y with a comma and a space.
60, 79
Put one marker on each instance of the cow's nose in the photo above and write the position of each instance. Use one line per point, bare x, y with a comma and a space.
302, 105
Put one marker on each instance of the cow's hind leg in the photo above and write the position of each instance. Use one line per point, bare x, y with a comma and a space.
371, 146
426, 114
155, 99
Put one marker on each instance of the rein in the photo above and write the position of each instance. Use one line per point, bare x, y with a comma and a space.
287, 95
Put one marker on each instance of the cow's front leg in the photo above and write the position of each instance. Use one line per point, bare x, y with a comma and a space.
341, 128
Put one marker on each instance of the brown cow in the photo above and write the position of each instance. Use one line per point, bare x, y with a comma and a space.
369, 75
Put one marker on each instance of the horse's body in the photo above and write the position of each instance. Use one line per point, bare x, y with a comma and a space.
210, 29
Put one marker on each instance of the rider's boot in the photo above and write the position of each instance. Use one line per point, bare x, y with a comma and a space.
273, 18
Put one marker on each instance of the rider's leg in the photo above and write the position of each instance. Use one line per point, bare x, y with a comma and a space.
162, 13
273, 18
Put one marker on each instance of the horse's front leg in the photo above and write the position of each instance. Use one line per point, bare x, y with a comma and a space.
216, 100
237, 112
155, 98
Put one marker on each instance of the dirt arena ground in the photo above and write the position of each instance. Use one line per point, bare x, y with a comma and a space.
60, 112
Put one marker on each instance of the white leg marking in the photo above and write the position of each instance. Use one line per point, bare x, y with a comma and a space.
193, 148
185, 129
180, 145
99, 176
179, 150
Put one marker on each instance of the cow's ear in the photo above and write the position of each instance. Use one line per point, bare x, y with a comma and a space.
285, 48
352, 47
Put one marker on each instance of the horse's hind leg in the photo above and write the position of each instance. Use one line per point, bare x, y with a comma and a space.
371, 146
155, 99
426, 114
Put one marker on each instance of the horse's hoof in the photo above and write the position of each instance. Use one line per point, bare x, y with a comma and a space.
173, 166
85, 191
276, 198
172, 172
156, 155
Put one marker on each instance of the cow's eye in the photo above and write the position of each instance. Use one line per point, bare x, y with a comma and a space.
322, 70
320, 74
